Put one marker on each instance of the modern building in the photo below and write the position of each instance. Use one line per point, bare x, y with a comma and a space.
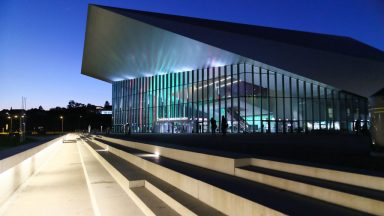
173, 74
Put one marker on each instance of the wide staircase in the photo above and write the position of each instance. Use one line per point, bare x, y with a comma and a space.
175, 180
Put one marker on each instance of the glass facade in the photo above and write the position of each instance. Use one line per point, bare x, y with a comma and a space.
253, 99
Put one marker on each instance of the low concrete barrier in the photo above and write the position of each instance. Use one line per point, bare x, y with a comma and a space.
228, 165
213, 162
215, 197
359, 203
16, 169
360, 180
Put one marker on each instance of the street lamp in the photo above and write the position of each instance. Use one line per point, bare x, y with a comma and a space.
62, 124
10, 129
80, 123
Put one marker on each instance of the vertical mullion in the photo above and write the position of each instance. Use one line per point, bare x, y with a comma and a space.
253, 97
219, 97
319, 101
197, 101
187, 83
202, 100
291, 102
238, 98
261, 100
326, 107
306, 108
245, 97
231, 98
283, 99
269, 103
298, 104
276, 106
213, 93
225, 91
313, 108
333, 109
192, 97
208, 101
143, 104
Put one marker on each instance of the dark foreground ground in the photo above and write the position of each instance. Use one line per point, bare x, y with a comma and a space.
10, 145
338, 151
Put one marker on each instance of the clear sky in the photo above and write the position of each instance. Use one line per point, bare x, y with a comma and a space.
41, 41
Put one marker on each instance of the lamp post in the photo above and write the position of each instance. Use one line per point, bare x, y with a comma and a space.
22, 128
80, 123
10, 129
16, 122
62, 124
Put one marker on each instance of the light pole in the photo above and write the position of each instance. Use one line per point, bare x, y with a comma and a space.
80, 123
10, 129
16, 122
62, 124
22, 128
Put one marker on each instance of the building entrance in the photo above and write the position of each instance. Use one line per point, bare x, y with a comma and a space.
174, 126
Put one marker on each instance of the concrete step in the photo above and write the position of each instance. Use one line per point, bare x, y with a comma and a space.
230, 194
226, 162
358, 178
141, 183
358, 198
107, 196
156, 205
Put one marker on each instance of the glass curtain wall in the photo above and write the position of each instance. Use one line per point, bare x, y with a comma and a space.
252, 99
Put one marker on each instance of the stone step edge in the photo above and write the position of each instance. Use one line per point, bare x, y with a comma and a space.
127, 184
355, 179
247, 206
352, 201
359, 180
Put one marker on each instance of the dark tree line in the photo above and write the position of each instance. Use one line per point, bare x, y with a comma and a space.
76, 117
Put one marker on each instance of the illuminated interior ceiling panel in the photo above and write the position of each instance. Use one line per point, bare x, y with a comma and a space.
120, 48
123, 44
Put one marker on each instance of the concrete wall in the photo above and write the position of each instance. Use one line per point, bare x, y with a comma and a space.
16, 169
217, 163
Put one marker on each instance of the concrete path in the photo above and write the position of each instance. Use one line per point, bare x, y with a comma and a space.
72, 182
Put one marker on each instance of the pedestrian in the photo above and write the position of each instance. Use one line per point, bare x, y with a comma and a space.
129, 129
357, 126
224, 125
213, 125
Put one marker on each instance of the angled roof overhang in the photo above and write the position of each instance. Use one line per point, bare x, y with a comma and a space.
124, 44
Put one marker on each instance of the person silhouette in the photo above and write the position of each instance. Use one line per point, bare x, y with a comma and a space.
213, 125
358, 126
224, 125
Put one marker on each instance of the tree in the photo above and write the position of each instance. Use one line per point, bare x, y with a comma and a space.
71, 104
41, 108
107, 105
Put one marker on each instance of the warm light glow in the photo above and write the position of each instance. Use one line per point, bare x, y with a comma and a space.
148, 155
102, 150
61, 117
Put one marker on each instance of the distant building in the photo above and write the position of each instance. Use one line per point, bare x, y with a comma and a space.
172, 74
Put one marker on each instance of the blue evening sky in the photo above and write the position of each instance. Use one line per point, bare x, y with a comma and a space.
41, 41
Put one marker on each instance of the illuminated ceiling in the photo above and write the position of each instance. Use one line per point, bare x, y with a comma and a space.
124, 44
